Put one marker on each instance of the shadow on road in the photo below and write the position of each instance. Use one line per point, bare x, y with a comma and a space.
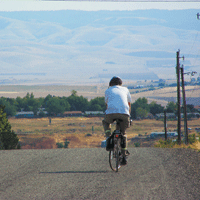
74, 172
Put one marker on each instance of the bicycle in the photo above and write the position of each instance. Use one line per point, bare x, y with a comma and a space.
115, 154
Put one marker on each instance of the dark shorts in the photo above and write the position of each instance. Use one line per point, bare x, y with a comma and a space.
108, 120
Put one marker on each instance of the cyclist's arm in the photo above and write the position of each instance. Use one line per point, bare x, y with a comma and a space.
129, 100
129, 103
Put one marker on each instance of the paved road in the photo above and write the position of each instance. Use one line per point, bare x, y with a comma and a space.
151, 173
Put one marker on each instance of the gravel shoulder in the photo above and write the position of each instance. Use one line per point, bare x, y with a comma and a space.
151, 173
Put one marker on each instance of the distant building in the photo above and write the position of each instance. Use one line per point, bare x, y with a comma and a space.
94, 113
162, 134
72, 114
168, 115
139, 86
25, 114
130, 87
42, 112
197, 107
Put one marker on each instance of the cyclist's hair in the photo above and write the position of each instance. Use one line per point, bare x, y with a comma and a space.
115, 81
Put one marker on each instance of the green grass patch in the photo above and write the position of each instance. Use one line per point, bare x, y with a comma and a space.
165, 144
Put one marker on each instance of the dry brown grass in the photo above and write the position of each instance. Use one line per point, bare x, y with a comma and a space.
37, 133
195, 145
76, 130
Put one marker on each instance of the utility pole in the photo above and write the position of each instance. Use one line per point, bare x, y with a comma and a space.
165, 124
184, 106
178, 96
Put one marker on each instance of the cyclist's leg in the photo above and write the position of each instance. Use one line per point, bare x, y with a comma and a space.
106, 126
107, 121
123, 126
125, 122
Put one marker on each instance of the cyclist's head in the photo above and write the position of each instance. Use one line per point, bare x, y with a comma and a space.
115, 81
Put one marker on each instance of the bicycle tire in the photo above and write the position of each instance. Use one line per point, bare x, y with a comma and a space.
114, 160
117, 156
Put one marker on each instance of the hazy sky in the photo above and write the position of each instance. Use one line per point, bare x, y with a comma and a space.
67, 44
28, 5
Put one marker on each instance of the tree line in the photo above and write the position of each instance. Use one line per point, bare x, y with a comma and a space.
52, 104
58, 105
140, 108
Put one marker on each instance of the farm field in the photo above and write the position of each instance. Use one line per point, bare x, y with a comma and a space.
164, 95
161, 96
83, 132
13, 91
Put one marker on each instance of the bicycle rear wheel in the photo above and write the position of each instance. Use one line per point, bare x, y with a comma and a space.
115, 158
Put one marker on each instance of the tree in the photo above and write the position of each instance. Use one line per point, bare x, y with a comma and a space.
141, 113
77, 103
74, 93
139, 103
151, 87
155, 108
31, 103
190, 108
97, 104
161, 84
171, 107
46, 99
8, 138
95, 107
20, 103
64, 102
10, 106
55, 105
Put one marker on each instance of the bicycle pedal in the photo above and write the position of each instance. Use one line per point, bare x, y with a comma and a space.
127, 153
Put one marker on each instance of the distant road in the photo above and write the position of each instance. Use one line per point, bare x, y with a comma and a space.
151, 173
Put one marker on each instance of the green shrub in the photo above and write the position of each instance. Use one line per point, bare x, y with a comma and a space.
137, 144
59, 145
66, 143
88, 134
165, 143
192, 139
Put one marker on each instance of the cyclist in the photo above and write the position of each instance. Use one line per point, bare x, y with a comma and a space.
118, 106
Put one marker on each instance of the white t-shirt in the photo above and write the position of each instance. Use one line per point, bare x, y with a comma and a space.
117, 98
